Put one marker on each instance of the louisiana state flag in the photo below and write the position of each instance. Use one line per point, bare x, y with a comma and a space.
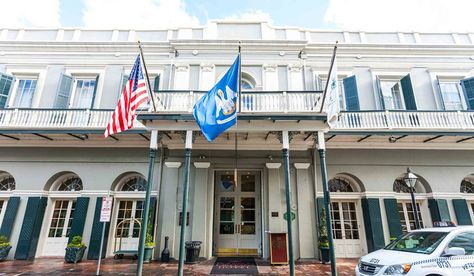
216, 111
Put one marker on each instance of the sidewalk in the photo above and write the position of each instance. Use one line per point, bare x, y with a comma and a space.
43, 266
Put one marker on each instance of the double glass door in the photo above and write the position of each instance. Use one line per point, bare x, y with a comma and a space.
59, 227
128, 224
345, 227
237, 227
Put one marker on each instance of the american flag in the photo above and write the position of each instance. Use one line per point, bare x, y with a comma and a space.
134, 94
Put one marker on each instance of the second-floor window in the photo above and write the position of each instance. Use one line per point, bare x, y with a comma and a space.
321, 84
84, 92
451, 95
392, 94
25, 91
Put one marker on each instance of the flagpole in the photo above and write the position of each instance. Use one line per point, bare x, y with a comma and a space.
148, 84
329, 76
240, 78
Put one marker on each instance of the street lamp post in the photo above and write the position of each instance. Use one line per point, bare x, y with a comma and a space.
411, 179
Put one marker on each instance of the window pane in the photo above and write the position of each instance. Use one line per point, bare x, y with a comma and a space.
84, 93
451, 95
247, 183
25, 92
226, 228
226, 183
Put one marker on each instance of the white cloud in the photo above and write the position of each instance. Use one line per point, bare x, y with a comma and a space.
251, 14
402, 15
137, 14
29, 13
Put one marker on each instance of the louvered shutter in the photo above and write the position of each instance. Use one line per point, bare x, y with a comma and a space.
379, 91
9, 217
468, 88
6, 84
64, 92
462, 212
80, 214
373, 223
408, 94
393, 218
156, 84
351, 93
30, 229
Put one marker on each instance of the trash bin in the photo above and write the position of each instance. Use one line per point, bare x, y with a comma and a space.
193, 248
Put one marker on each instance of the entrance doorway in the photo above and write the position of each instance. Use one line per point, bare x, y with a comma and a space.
345, 225
237, 221
59, 227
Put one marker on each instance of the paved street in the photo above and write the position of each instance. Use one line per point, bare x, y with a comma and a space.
43, 266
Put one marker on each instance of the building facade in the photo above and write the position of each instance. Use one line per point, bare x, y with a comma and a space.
407, 101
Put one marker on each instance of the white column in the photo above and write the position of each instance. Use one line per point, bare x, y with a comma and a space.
275, 210
207, 76
181, 77
306, 216
270, 77
168, 220
199, 215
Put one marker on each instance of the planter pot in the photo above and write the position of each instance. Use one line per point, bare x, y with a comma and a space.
4, 252
74, 254
324, 254
148, 254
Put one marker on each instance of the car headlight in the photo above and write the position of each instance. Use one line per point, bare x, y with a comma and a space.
398, 269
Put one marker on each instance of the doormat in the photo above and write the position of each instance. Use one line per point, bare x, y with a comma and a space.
235, 265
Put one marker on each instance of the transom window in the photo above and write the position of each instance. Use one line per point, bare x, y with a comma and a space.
246, 85
451, 94
72, 183
84, 93
25, 91
134, 184
340, 185
467, 186
7, 183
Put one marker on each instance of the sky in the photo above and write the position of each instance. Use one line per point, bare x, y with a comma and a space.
351, 15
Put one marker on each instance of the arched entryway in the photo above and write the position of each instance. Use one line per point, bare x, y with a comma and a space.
64, 189
346, 215
129, 194
7, 185
405, 206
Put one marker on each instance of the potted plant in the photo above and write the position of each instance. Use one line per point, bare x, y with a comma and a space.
5, 247
149, 245
75, 250
323, 242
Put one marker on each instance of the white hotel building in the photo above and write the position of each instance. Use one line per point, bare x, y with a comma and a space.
407, 101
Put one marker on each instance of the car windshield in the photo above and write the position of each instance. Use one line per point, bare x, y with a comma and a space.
418, 242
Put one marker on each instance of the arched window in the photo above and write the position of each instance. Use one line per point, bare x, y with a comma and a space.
7, 182
399, 186
467, 186
246, 85
70, 183
339, 184
134, 184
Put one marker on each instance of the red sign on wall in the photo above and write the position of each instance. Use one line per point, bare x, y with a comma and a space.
278, 248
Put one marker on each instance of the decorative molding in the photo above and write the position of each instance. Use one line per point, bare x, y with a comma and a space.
207, 67
295, 67
174, 165
301, 166
279, 135
182, 134
202, 165
273, 165
270, 67
182, 67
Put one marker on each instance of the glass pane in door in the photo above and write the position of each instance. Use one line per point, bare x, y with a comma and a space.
138, 216
247, 215
226, 183
247, 182
226, 216
58, 226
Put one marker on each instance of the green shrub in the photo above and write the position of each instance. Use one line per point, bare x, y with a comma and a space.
149, 240
76, 242
4, 241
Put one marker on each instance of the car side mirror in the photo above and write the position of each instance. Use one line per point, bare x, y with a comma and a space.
454, 251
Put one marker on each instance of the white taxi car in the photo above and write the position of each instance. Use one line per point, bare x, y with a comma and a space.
429, 251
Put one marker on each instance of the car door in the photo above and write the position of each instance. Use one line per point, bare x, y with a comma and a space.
463, 240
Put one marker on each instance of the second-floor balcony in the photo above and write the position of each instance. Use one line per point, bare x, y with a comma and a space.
281, 103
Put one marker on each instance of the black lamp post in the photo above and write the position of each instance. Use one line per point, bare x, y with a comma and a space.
411, 179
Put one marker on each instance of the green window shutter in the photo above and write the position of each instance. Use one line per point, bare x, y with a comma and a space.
96, 233
80, 214
373, 224
462, 212
351, 93
6, 84
64, 92
320, 206
156, 84
440, 93
378, 86
30, 230
393, 218
9, 217
439, 209
95, 91
408, 94
468, 88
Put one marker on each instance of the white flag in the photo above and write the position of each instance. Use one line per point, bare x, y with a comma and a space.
332, 97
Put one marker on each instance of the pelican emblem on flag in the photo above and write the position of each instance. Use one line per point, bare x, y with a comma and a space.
225, 105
